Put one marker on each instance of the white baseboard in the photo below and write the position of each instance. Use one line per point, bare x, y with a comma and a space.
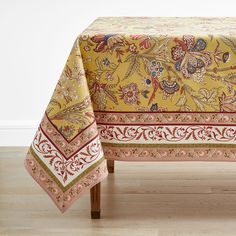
17, 132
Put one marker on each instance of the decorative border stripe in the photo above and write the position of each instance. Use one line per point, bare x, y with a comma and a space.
64, 200
161, 134
191, 153
66, 170
58, 140
164, 145
150, 118
163, 124
159, 112
49, 172
58, 148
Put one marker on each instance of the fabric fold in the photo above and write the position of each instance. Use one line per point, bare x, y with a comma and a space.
66, 157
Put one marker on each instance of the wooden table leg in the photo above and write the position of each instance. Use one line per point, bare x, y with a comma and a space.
110, 166
95, 198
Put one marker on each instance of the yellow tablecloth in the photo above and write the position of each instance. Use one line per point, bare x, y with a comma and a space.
150, 89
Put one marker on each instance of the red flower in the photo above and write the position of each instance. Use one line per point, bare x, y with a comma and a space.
105, 42
145, 44
136, 36
130, 93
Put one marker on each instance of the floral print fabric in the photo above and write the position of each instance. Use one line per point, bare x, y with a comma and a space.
149, 89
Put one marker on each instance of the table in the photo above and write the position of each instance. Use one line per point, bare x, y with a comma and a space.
137, 89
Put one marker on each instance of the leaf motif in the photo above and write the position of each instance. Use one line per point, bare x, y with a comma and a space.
204, 92
145, 93
148, 56
111, 86
185, 108
230, 78
55, 102
181, 102
111, 95
231, 42
188, 89
133, 67
98, 64
198, 103
161, 51
113, 66
68, 71
208, 95
130, 57
213, 95
145, 63
74, 110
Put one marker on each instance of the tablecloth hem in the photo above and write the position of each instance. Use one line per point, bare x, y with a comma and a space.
215, 154
64, 200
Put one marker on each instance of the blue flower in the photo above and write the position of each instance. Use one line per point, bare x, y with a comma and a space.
106, 62
148, 81
154, 107
154, 74
154, 63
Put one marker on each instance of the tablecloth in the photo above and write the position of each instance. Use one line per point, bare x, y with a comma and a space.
137, 89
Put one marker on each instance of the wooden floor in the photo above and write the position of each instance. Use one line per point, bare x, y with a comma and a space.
161, 199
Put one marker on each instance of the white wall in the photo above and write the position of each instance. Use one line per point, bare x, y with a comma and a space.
36, 37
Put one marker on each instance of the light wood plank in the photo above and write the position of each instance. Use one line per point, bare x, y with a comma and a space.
170, 199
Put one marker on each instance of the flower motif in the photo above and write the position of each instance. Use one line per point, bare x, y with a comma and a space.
66, 90
132, 47
84, 37
130, 93
220, 56
106, 62
145, 44
154, 107
190, 59
108, 75
86, 48
198, 76
146, 82
107, 42
156, 68
169, 87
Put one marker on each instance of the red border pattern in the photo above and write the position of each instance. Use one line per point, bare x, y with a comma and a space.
63, 168
167, 133
168, 136
164, 117
170, 154
64, 200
